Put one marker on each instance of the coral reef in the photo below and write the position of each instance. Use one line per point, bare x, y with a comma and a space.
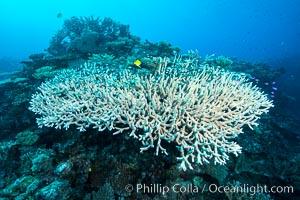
223, 61
49, 163
92, 35
27, 137
164, 109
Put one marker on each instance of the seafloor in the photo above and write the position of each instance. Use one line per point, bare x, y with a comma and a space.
49, 163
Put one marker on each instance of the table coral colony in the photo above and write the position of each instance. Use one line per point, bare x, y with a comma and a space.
198, 107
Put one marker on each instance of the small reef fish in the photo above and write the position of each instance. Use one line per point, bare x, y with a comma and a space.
137, 63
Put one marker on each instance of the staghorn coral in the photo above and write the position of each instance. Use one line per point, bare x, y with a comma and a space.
101, 59
223, 61
199, 108
45, 72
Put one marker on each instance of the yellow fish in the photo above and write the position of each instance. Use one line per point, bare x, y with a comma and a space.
137, 63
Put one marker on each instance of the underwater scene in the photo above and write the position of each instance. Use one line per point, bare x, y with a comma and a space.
104, 100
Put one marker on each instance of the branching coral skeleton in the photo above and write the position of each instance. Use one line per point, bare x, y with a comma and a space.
199, 108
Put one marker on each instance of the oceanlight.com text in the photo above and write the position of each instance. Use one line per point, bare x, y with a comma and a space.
211, 188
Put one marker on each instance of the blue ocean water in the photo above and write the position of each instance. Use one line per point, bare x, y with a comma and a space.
247, 31
251, 30
263, 31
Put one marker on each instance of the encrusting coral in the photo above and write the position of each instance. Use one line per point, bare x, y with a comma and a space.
198, 107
